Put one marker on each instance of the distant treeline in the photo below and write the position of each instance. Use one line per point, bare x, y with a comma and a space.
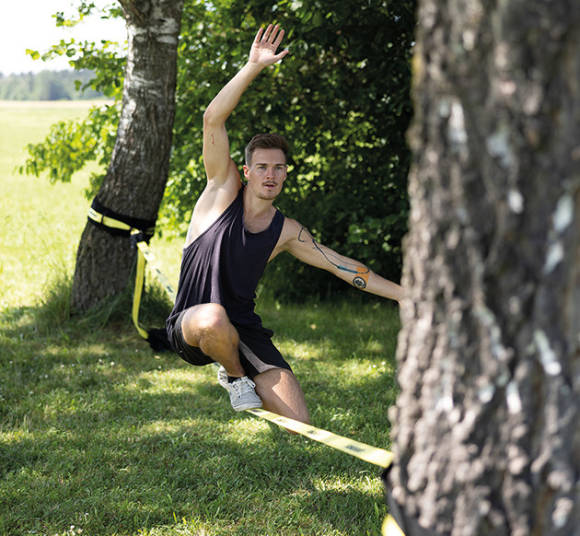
47, 85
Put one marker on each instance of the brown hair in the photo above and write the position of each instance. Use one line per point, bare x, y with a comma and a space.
266, 141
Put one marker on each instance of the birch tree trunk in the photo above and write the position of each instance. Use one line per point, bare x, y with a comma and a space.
486, 430
136, 177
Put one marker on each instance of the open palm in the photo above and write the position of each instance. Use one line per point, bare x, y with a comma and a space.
263, 51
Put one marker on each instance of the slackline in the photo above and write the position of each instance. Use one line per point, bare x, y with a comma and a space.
140, 238
374, 455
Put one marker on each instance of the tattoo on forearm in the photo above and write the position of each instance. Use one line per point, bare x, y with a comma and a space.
361, 276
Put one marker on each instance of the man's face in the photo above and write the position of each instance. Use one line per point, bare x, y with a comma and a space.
267, 173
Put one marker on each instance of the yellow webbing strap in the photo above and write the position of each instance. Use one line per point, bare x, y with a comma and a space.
150, 258
144, 256
391, 528
380, 457
112, 223
137, 293
108, 221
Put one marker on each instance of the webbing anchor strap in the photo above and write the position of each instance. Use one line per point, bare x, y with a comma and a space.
138, 292
118, 224
157, 338
140, 232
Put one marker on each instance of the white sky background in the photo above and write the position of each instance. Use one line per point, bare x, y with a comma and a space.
29, 24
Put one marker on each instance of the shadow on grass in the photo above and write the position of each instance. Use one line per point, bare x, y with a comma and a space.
98, 433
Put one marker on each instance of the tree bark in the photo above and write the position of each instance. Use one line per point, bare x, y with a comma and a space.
136, 177
486, 430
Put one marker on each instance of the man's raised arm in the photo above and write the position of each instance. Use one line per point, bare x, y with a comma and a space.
216, 149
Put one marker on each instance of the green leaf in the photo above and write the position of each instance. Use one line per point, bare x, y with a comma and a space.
34, 54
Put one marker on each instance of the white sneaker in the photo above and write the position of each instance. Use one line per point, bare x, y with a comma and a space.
242, 391
222, 377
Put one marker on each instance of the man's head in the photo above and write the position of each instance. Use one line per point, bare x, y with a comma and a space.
265, 169
266, 141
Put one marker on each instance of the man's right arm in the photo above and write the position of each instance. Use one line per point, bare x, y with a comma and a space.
216, 146
216, 149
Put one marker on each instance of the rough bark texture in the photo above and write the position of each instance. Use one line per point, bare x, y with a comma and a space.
486, 428
137, 174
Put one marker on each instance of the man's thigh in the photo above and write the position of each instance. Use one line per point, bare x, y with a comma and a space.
281, 393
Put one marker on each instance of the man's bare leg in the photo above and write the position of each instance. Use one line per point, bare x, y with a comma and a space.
208, 327
281, 393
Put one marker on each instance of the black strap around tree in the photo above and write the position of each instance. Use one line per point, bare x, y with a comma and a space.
147, 227
139, 230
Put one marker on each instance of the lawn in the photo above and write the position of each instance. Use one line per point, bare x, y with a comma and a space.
101, 436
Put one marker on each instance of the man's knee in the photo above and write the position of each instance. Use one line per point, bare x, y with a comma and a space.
208, 320
211, 317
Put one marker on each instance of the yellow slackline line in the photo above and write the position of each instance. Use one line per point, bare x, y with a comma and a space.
390, 527
367, 453
380, 457
113, 223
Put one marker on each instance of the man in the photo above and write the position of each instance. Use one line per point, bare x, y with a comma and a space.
235, 231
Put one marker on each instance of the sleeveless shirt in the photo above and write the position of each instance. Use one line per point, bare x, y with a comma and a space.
224, 265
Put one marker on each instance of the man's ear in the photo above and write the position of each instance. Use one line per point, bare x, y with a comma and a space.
246, 170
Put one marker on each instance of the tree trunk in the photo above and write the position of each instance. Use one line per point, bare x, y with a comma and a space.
136, 177
486, 429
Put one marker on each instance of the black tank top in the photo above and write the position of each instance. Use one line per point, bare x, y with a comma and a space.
224, 265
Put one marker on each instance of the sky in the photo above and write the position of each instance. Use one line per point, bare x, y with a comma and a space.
29, 24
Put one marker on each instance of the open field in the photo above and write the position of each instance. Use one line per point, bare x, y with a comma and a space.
100, 436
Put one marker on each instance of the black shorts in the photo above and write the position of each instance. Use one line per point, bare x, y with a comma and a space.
257, 352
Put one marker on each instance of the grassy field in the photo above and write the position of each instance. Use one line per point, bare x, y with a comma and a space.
100, 436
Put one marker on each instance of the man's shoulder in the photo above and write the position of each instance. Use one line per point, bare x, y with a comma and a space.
290, 231
290, 225
229, 179
218, 195
212, 202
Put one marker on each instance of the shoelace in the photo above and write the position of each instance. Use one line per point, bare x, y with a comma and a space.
242, 383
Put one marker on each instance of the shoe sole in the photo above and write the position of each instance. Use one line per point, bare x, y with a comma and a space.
249, 405
224, 384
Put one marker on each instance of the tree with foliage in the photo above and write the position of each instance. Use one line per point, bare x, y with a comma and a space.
345, 113
486, 427
135, 180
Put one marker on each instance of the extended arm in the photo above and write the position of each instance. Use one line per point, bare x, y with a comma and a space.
300, 243
216, 150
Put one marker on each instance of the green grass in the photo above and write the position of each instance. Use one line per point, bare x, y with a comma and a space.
100, 436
